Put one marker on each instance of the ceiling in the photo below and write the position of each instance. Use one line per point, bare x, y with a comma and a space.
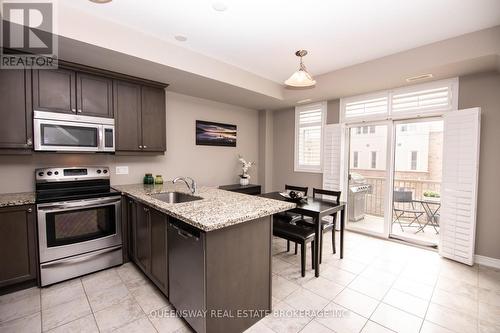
260, 36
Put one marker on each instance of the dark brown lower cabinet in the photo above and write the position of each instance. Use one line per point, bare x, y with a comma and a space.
148, 242
18, 247
225, 273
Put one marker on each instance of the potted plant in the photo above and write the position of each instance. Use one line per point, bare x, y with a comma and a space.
245, 168
431, 194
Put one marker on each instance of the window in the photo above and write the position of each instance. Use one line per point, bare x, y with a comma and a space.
309, 121
414, 159
372, 129
374, 160
404, 128
434, 97
365, 129
358, 130
355, 159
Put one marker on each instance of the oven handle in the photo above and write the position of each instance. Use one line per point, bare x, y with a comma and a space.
81, 258
78, 204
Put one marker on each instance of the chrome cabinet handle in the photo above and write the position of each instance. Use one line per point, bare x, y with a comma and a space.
145, 147
29, 142
30, 210
79, 111
140, 147
73, 109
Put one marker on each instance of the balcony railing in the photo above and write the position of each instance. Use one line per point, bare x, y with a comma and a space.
375, 200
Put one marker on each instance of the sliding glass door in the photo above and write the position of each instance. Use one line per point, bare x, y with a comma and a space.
418, 161
394, 179
367, 178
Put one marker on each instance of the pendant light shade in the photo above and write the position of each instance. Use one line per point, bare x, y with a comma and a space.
301, 78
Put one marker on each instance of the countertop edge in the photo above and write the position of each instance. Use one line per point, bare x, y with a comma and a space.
281, 206
17, 199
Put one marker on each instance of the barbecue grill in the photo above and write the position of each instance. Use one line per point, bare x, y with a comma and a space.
358, 189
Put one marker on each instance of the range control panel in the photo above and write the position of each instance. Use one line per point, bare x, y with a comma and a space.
70, 174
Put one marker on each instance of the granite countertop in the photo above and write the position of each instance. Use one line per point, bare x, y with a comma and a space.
218, 208
17, 199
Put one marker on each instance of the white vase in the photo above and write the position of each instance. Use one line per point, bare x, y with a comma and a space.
244, 181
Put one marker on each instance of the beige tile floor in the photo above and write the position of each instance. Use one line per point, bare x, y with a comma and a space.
379, 286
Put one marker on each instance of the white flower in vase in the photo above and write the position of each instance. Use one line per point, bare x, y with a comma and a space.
245, 168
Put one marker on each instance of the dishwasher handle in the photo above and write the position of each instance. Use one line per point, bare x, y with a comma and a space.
184, 233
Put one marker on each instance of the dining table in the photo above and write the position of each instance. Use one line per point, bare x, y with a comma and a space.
317, 209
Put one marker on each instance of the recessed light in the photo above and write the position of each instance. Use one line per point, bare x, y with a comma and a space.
304, 101
181, 38
219, 6
419, 77
100, 1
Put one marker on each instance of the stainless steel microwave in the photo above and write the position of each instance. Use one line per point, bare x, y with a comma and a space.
73, 133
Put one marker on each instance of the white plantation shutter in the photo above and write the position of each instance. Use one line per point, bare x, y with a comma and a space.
332, 153
459, 185
366, 107
423, 100
309, 120
436, 97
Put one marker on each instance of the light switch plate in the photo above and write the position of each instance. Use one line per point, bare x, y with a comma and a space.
122, 170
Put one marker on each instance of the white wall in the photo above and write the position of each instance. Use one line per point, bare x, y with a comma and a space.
207, 165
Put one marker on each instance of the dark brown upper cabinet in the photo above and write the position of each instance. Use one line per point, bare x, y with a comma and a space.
16, 129
68, 91
127, 104
153, 119
18, 263
94, 95
54, 90
140, 117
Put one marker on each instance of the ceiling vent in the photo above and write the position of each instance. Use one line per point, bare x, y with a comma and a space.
419, 77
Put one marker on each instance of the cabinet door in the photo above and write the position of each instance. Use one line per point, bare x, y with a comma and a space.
54, 90
94, 95
18, 261
142, 238
159, 249
15, 109
153, 119
127, 110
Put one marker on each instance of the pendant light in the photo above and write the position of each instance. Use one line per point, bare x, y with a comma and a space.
301, 78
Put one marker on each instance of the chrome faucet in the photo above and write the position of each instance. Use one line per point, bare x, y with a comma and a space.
191, 187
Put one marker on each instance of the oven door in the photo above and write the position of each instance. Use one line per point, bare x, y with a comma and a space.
55, 135
76, 227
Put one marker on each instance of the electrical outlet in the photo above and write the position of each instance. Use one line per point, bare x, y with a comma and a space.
122, 170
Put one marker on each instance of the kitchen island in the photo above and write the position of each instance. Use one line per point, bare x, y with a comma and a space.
210, 255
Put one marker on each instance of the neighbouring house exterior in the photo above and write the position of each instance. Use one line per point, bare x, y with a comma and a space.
418, 159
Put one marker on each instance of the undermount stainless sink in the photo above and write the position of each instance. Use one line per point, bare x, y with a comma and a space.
175, 197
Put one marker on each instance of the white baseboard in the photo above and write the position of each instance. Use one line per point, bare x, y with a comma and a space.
487, 261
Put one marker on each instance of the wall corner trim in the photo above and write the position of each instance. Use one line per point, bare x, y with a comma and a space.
487, 261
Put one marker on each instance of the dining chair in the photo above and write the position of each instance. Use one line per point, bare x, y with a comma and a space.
404, 198
327, 224
299, 234
292, 217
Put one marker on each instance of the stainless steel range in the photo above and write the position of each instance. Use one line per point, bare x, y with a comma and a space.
79, 222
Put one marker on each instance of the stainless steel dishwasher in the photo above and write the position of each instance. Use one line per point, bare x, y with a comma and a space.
186, 264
